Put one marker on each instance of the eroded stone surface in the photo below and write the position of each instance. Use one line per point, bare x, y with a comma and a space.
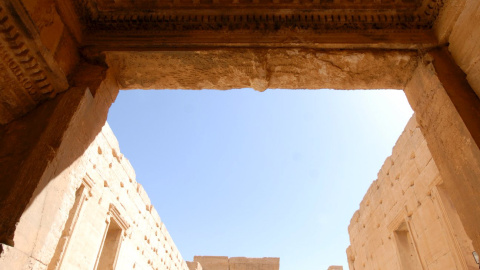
261, 69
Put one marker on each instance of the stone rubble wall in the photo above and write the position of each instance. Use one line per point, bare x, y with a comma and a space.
100, 186
408, 191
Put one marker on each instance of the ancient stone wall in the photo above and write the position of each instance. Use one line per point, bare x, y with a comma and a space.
406, 220
233, 263
93, 214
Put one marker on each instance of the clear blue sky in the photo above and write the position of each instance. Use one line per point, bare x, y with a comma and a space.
272, 174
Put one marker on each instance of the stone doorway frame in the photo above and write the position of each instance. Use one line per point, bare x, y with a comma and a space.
45, 142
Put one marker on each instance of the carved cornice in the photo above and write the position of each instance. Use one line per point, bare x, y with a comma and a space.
317, 22
109, 5
35, 67
19, 58
26, 61
316, 15
114, 213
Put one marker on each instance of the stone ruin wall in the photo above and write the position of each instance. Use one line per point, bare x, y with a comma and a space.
233, 263
67, 224
64, 227
405, 220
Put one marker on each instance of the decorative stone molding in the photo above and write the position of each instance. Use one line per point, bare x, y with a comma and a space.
146, 25
81, 196
115, 214
26, 61
274, 4
88, 183
317, 15
397, 220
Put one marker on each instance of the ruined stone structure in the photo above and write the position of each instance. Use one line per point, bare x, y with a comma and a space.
406, 220
64, 61
236, 263
109, 222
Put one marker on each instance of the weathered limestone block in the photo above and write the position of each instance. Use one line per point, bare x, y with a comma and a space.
263, 68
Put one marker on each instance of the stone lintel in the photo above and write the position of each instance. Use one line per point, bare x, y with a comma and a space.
263, 69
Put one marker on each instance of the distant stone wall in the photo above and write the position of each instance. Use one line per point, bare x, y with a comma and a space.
234, 263
93, 214
405, 220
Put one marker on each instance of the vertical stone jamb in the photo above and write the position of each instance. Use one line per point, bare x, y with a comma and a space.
39, 146
448, 112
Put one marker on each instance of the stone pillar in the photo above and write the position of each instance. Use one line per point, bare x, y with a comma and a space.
448, 112
42, 146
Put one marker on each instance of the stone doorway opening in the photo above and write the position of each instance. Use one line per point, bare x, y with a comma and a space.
223, 193
65, 61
